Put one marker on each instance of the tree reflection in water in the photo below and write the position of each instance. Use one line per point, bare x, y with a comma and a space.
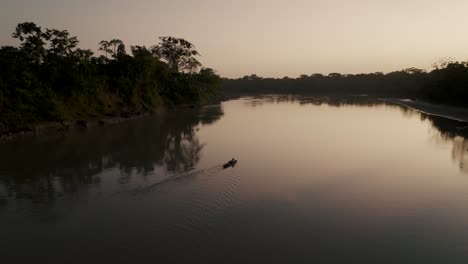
455, 132
40, 171
44, 169
448, 130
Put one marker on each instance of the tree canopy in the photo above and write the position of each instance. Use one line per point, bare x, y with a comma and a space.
446, 83
49, 78
178, 53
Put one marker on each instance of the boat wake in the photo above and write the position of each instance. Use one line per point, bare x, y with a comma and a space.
178, 177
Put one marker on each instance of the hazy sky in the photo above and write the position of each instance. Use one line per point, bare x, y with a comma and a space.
267, 37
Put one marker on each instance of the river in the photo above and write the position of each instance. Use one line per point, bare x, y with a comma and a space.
318, 180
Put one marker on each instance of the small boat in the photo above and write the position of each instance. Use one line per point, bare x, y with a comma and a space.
230, 163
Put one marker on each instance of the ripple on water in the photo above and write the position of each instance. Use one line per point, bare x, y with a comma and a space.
210, 194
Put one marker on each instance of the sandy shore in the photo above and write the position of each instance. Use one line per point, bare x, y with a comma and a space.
446, 111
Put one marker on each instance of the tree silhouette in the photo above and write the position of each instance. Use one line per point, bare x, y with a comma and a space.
49, 78
178, 53
60, 42
140, 51
114, 48
32, 40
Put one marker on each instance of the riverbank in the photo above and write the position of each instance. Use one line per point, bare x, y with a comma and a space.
54, 127
446, 111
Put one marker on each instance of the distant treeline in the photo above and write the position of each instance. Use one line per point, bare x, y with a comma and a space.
48, 78
447, 83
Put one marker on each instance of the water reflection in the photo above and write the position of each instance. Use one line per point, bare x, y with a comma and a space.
447, 130
315, 100
318, 177
42, 170
453, 132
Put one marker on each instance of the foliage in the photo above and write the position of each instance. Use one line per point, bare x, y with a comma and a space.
178, 53
406, 83
114, 48
447, 83
48, 78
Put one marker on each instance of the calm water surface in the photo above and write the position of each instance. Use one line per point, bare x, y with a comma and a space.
318, 180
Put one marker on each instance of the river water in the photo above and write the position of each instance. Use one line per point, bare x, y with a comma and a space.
318, 180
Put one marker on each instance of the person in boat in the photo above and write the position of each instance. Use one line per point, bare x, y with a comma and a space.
230, 163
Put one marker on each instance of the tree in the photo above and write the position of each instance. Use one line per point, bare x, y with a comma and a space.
442, 62
413, 70
60, 42
114, 48
316, 75
32, 40
335, 75
207, 72
178, 53
140, 51
38, 44
84, 54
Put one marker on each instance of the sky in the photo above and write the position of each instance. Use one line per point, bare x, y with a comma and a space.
270, 38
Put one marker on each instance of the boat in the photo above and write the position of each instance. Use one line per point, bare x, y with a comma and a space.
230, 163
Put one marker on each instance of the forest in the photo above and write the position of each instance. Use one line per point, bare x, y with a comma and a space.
48, 78
447, 83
